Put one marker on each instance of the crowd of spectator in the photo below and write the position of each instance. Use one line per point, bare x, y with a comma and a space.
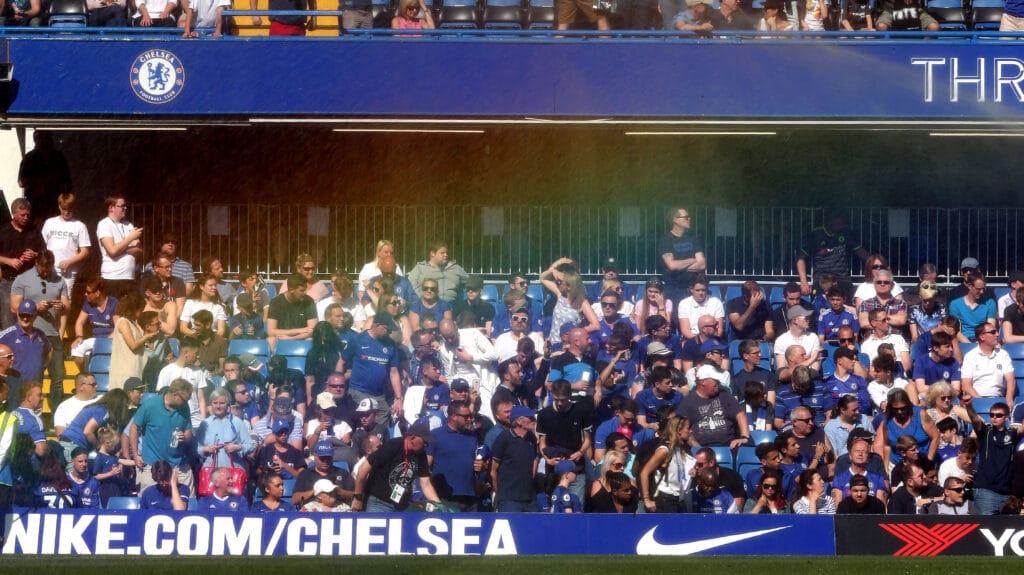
699, 16
414, 387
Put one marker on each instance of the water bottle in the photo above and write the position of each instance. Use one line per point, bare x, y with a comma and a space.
174, 439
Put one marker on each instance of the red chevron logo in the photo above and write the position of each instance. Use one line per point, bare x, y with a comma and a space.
923, 541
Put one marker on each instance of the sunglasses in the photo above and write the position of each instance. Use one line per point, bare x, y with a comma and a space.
7, 355
878, 267
847, 340
769, 486
42, 286
609, 305
995, 415
805, 420
883, 283
430, 288
946, 397
956, 489
333, 386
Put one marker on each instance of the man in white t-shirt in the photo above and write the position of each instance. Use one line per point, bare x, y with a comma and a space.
185, 368
798, 334
121, 244
85, 393
880, 333
700, 303
987, 371
68, 239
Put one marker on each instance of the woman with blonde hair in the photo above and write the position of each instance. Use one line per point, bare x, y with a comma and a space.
407, 16
562, 278
614, 461
372, 269
666, 476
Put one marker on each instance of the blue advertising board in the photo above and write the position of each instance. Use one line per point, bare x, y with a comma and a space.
510, 77
83, 532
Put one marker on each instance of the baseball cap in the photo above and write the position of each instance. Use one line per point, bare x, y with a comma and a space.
656, 348
969, 263
692, 3
324, 449
27, 306
713, 344
422, 430
250, 361
459, 384
474, 283
280, 425
366, 405
522, 411
610, 265
243, 300
1017, 276
134, 383
564, 466
710, 372
323, 486
385, 320
797, 311
625, 430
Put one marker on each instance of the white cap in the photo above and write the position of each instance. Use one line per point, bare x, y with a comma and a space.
323, 486
710, 372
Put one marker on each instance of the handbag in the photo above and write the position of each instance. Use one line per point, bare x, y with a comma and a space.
237, 479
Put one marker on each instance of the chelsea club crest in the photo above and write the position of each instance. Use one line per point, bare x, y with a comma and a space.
157, 76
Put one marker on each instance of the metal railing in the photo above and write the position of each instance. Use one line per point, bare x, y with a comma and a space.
492, 241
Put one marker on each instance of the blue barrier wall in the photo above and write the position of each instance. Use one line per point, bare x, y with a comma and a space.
514, 77
179, 533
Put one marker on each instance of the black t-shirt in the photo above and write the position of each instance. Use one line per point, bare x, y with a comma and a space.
515, 471
338, 476
681, 248
902, 502
712, 420
755, 326
291, 315
603, 502
288, 5
482, 311
731, 481
564, 428
290, 455
13, 243
1016, 319
393, 466
873, 506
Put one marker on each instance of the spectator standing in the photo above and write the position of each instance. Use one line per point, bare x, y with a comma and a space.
20, 243
120, 243
681, 256
68, 238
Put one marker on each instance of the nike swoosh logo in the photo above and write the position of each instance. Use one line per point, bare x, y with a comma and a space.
649, 546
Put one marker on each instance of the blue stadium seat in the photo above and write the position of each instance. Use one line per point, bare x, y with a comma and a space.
536, 291
828, 367
966, 347
296, 362
951, 14
732, 292
723, 455
541, 15
746, 460
776, 296
102, 382
175, 347
983, 405
289, 487
459, 14
123, 503
193, 504
1015, 350
271, 288
293, 347
257, 347
103, 346
759, 437
99, 363
68, 14
382, 12
490, 293
503, 15
986, 14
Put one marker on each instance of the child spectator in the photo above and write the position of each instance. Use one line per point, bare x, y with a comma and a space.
108, 468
